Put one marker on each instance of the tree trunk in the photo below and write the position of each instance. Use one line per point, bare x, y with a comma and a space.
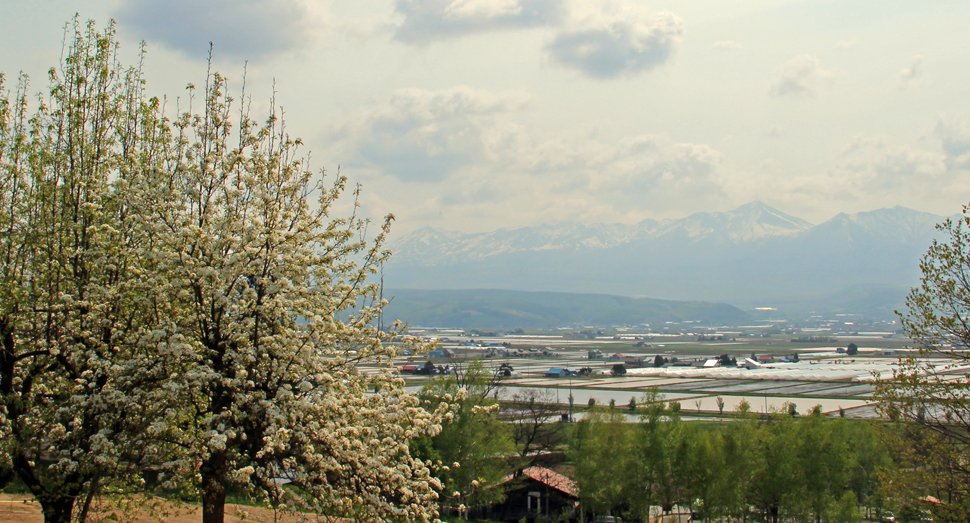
86, 507
57, 506
213, 488
57, 509
7, 475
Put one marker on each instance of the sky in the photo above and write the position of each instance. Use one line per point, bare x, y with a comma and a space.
473, 115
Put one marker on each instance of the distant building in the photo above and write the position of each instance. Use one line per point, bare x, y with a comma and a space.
556, 372
538, 493
634, 362
441, 353
749, 364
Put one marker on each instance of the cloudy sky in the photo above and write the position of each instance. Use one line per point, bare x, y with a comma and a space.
478, 114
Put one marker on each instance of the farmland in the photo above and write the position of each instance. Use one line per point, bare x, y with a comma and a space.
822, 375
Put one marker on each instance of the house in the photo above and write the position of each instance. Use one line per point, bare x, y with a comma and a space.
711, 363
634, 363
536, 493
409, 369
557, 372
678, 514
766, 359
749, 364
441, 353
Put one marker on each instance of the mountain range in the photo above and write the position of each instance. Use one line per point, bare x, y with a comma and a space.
752, 256
431, 246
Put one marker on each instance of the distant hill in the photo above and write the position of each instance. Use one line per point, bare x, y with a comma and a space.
501, 309
752, 256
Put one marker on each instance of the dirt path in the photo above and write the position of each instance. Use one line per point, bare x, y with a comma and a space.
23, 509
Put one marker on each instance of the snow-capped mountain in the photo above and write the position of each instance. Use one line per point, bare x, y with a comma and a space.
753, 254
898, 225
753, 221
431, 246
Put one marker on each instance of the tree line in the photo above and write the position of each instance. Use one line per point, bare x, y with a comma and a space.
771, 468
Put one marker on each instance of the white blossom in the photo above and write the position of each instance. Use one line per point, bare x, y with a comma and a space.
194, 303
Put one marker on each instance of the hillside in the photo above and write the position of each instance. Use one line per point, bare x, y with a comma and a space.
496, 309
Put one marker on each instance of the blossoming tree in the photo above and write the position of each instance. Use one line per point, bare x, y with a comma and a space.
273, 316
78, 376
177, 295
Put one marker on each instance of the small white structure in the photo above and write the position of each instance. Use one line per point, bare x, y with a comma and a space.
749, 364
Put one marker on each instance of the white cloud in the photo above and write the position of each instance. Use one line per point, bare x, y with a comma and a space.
727, 44
648, 170
429, 20
361, 29
243, 29
483, 9
617, 41
868, 172
426, 136
460, 152
878, 164
913, 71
955, 139
800, 76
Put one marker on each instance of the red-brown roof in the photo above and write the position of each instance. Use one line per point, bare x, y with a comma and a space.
552, 479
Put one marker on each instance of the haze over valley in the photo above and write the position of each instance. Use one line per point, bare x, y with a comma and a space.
753, 256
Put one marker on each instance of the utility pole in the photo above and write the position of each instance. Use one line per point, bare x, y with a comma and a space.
570, 399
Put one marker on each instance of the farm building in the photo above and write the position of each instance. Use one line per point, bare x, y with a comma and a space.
538, 493
557, 372
441, 353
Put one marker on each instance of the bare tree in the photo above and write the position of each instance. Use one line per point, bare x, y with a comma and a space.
536, 423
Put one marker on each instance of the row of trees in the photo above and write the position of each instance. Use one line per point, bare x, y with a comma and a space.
176, 297
810, 468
